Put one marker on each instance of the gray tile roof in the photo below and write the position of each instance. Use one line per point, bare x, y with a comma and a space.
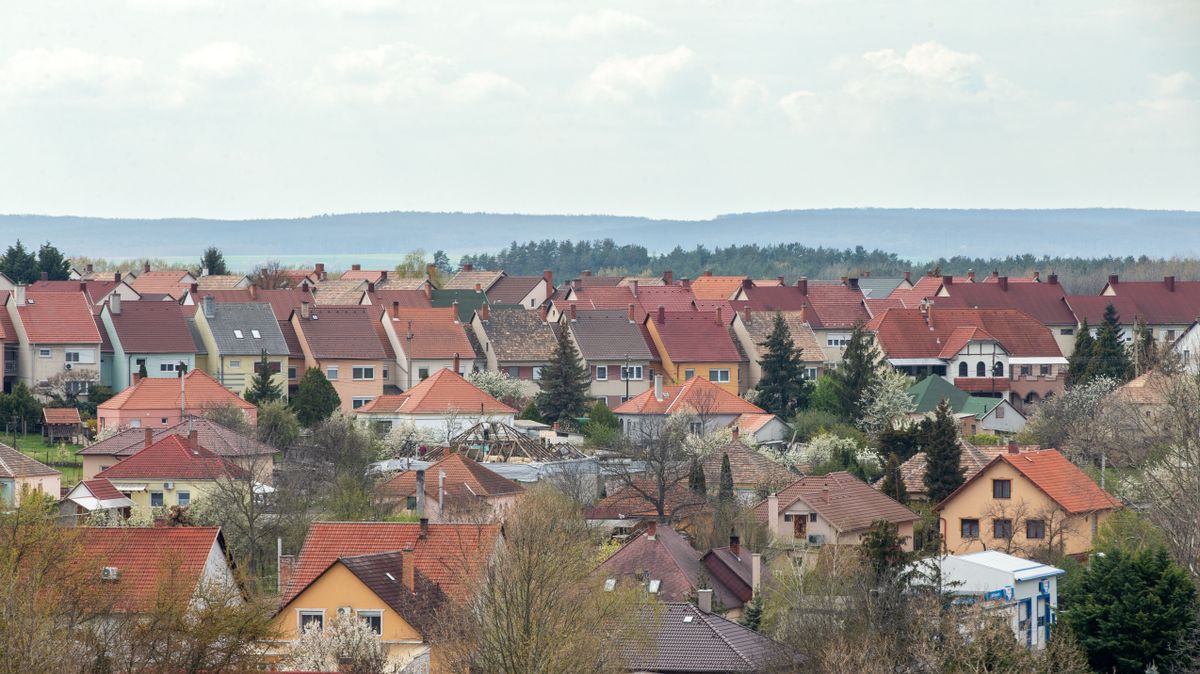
210, 435
247, 318
519, 336
878, 288
201, 350
608, 335
682, 638
14, 464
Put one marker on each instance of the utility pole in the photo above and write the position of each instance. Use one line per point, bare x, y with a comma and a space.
625, 376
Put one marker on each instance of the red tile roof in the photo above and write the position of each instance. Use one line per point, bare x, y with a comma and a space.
152, 327
695, 337
448, 554
369, 275
95, 290
443, 391
149, 561
172, 459
1055, 476
407, 298
464, 478
61, 415
347, 331
58, 318
671, 298
925, 287
848, 503
698, 394
630, 502
102, 489
982, 384
1157, 303
826, 305
1044, 302
164, 393
282, 300
430, 333
210, 434
909, 333
1091, 308
597, 297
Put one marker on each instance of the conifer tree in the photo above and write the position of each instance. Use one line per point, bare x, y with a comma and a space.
263, 388
19, 265
564, 383
782, 390
696, 481
601, 416
725, 495
856, 373
1144, 354
893, 482
1108, 357
1077, 364
752, 616
51, 261
142, 372
315, 399
530, 413
943, 466
214, 261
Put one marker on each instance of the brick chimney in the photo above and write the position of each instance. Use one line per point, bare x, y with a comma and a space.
853, 283
478, 287
545, 312
1052, 279
484, 312
652, 531
1013, 447
1003, 283
45, 276
287, 567
633, 287
83, 286
421, 495
574, 312
383, 275
396, 310
454, 308
408, 568
146, 267
735, 545
668, 277
424, 531
356, 267
685, 282
370, 287
457, 363
88, 267
304, 309
747, 284
908, 276
148, 435
193, 439
971, 275
319, 268
586, 272
114, 304
549, 276
1169, 282
468, 267
947, 280
995, 274
734, 433
746, 314
720, 317
117, 276
632, 312
1113, 279
662, 314
802, 285
430, 270
428, 288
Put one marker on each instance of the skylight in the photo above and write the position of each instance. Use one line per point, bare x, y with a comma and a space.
653, 586
610, 584
256, 334
238, 334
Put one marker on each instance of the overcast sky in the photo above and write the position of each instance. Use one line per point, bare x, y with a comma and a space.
672, 108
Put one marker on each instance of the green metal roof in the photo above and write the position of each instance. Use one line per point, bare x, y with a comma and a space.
930, 391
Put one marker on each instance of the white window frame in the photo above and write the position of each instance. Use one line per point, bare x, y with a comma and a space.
303, 613
537, 373
601, 373
80, 386
359, 401
183, 497
331, 373
635, 369
168, 367
837, 339
235, 364
361, 372
45, 353
238, 334
810, 373
422, 373
371, 613
723, 375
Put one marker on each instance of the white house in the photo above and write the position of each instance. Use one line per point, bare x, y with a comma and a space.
444, 402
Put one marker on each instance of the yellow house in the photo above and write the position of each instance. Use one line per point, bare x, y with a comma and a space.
174, 471
235, 337
695, 344
1035, 504
348, 345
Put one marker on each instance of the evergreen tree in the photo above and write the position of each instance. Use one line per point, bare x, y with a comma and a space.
943, 467
19, 265
1144, 350
51, 261
315, 398
530, 413
893, 482
1133, 610
858, 370
142, 372
1077, 364
20, 403
602, 416
882, 549
782, 390
725, 495
564, 383
1109, 358
696, 481
263, 387
214, 261
752, 616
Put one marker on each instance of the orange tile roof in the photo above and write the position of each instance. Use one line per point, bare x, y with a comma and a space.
846, 501
171, 282
707, 287
751, 423
202, 391
145, 558
1055, 476
443, 391
464, 477
430, 333
448, 554
61, 415
58, 318
172, 459
698, 394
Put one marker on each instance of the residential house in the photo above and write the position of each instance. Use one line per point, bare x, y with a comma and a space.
761, 429
627, 506
10, 343
443, 402
469, 278
347, 343
972, 458
612, 345
752, 329
1026, 591
881, 288
394, 575
833, 509
529, 292
339, 292
162, 283
19, 473
153, 336
98, 290
236, 337
831, 309
1046, 303
93, 497
683, 638
174, 471
1187, 349
153, 403
464, 302
710, 405
426, 340
1168, 307
516, 342
709, 287
357, 273
754, 474
975, 414
999, 353
405, 298
243, 450
222, 281
1026, 503
453, 488
57, 338
696, 344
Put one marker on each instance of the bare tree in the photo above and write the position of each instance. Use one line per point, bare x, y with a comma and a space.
1053, 524
271, 275
240, 505
655, 463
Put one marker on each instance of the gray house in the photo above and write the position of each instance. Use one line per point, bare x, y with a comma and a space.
236, 336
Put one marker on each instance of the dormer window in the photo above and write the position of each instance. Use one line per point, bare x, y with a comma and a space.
238, 334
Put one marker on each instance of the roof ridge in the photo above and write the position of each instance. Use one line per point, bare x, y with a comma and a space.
712, 626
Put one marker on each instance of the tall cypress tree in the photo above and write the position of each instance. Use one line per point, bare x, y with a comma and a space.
263, 388
315, 399
19, 265
564, 383
782, 390
1077, 364
856, 373
893, 482
696, 481
1109, 357
725, 495
943, 455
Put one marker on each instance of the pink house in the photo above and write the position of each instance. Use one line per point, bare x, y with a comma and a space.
157, 403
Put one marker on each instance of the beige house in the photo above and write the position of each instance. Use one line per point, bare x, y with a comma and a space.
20, 474
348, 344
615, 351
833, 509
58, 340
454, 488
752, 328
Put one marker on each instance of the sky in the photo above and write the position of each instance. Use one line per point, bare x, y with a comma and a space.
661, 108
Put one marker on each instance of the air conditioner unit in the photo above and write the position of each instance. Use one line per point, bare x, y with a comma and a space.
168, 485
109, 573
816, 539
344, 611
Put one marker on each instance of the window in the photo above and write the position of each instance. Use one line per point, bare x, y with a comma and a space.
156, 499
1026, 370
1044, 370
537, 374
695, 427
43, 353
235, 364
688, 374
136, 423
291, 372
601, 373
1170, 335
356, 403
316, 618
810, 373
1067, 331
632, 373
1000, 411
963, 370
80, 355
1002, 529
272, 366
385, 374
837, 339
1001, 488
812, 517
652, 586
423, 373
75, 387
998, 369
718, 376
238, 334
981, 369
163, 420
361, 373
373, 619
185, 497
331, 372
167, 367
610, 584
514, 372
410, 503
256, 334
1035, 529
969, 528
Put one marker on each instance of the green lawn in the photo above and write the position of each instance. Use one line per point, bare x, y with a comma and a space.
61, 458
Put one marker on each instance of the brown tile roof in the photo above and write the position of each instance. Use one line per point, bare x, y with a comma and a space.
1167, 301
383, 574
164, 393
709, 287
846, 501
608, 335
629, 502
698, 394
826, 305
152, 327
751, 423
666, 557
512, 289
682, 638
149, 561
282, 300
464, 478
173, 282
61, 415
597, 297
647, 281
694, 337
1148, 389
1056, 477
172, 459
670, 298
1091, 308
466, 280
519, 336
762, 322
386, 298
443, 391
447, 554
58, 318
749, 467
346, 331
338, 291
908, 333
1044, 302
14, 464
211, 435
430, 333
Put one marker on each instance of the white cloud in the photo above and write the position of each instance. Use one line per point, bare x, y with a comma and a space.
1174, 85
67, 72
220, 61
928, 61
601, 23
484, 85
401, 71
927, 70
621, 78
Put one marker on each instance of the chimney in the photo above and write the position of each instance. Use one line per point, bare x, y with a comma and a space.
454, 308
396, 309
735, 545
845, 280
428, 288
1003, 283
668, 277
586, 272
825, 492
802, 285
658, 390
88, 267
755, 572
1112, 279
146, 267
633, 287
652, 531
908, 276
408, 569
45, 276
304, 309
853, 283
114, 304
117, 276
704, 600
1169, 282
804, 312
421, 494
148, 434
356, 267
1052, 279
83, 286
430, 270
383, 275
734, 433
549, 276
545, 312
457, 363
632, 312
747, 284
1037, 276
478, 287
370, 287
720, 316
746, 314
662, 314
947, 280
441, 490
685, 282
193, 438
971, 275
468, 267
319, 268
424, 524
866, 274
574, 312
484, 312
1013, 447
287, 566
995, 274
135, 378
782, 280
773, 514
209, 311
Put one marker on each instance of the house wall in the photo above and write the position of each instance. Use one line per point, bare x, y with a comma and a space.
754, 371
613, 389
33, 368
477, 327
498, 505
261, 465
785, 531
1188, 349
11, 488
833, 354
774, 431
347, 388
1012, 421
676, 373
448, 424
152, 418
125, 366
197, 489
234, 372
634, 424
1027, 502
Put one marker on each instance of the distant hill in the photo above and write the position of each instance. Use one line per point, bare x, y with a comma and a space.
919, 234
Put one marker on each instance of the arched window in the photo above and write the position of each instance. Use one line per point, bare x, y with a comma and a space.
1030, 398
998, 369
981, 369
963, 370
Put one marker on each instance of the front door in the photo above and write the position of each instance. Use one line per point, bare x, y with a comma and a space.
800, 526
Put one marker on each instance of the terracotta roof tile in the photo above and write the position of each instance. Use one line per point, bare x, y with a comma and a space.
907, 333
164, 393
173, 282
368, 275
1056, 476
466, 280
61, 415
172, 459
222, 281
211, 435
393, 282
694, 337
698, 394
749, 467
282, 300
152, 327
412, 298
383, 574
58, 318
430, 333
848, 503
438, 393
629, 502
708, 287
464, 478
338, 291
1158, 302
1044, 302
670, 298
145, 558
96, 291
102, 489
